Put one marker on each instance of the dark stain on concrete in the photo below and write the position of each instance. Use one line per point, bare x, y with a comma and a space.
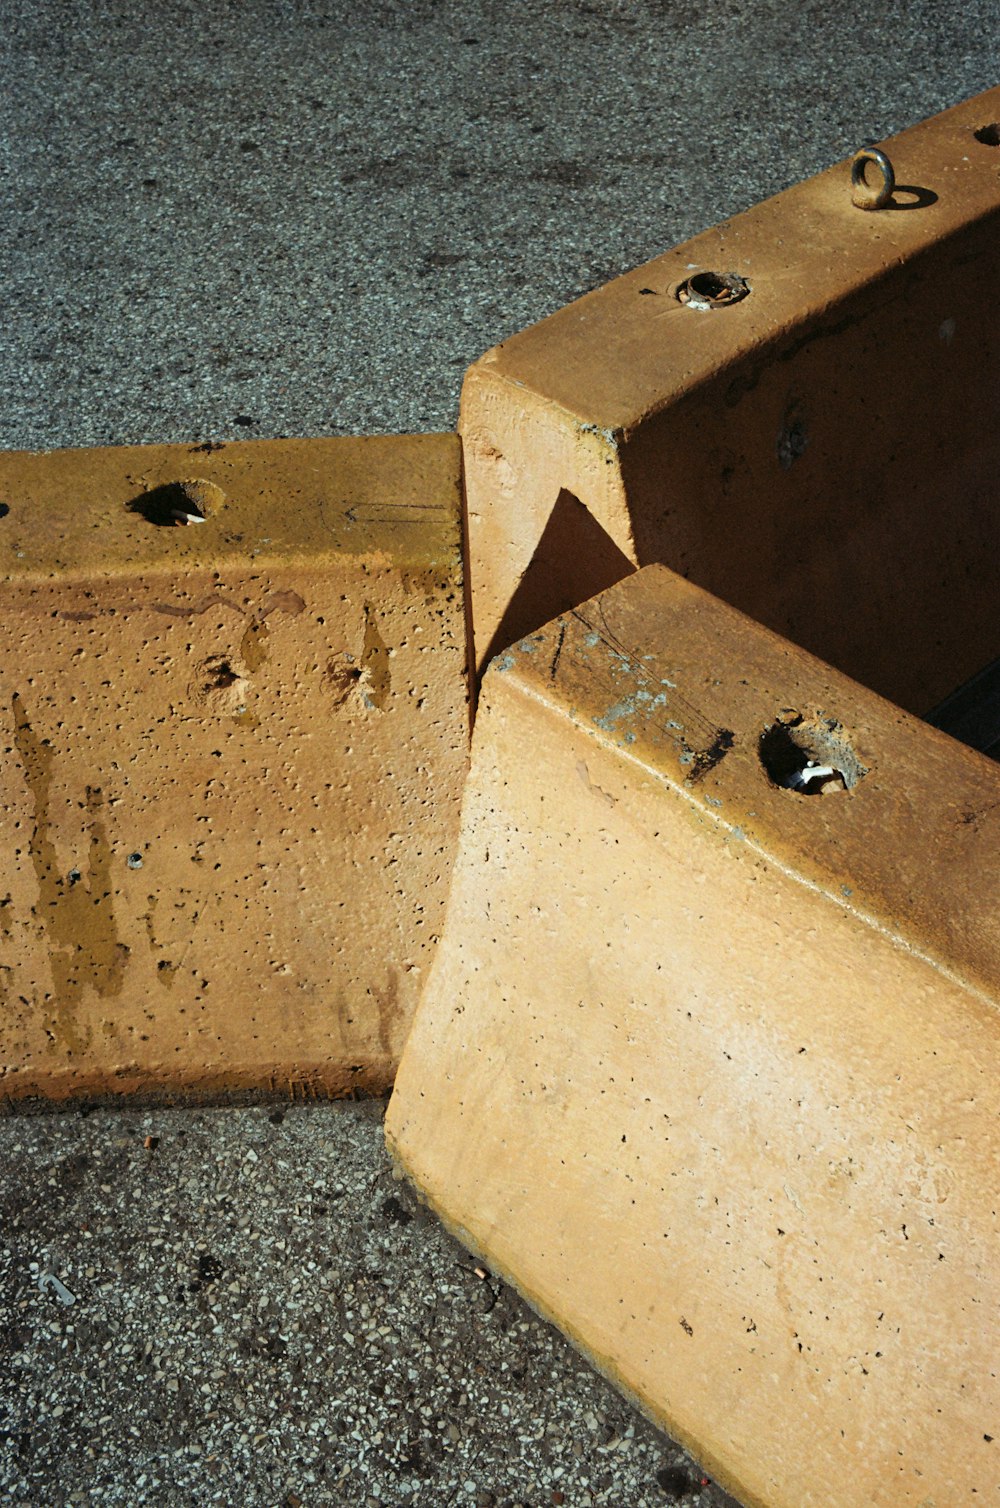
7, 939
707, 759
77, 914
283, 602
254, 646
172, 610
387, 1005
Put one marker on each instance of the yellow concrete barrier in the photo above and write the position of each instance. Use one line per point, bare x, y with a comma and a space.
233, 692
706, 1065
822, 451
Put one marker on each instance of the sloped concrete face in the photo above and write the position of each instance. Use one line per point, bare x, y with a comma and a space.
822, 452
234, 704
706, 1065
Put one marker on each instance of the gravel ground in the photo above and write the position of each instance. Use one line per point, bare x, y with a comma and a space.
262, 1315
237, 219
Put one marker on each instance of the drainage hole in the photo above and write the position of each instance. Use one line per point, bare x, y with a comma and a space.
176, 504
713, 290
810, 758
221, 675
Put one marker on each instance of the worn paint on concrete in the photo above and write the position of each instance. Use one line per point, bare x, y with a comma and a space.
235, 751
707, 1066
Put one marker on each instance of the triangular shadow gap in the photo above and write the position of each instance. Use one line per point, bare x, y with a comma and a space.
574, 560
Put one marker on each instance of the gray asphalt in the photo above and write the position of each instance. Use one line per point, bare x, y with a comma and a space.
229, 220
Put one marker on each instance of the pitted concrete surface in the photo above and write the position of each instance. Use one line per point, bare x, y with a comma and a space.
229, 220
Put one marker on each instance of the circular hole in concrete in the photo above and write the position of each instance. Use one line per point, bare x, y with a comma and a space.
713, 290
989, 135
174, 504
812, 758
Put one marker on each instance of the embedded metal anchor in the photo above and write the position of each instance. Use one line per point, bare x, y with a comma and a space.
875, 194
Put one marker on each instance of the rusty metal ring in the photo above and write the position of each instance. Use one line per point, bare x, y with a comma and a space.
864, 194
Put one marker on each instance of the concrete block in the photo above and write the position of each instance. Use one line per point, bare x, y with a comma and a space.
706, 1064
823, 452
233, 693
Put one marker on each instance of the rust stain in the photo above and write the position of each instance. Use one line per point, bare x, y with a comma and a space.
77, 913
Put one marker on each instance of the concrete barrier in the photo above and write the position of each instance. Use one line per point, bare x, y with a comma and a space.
706, 1065
822, 452
233, 692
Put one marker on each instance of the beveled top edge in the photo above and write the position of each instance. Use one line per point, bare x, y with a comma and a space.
392, 498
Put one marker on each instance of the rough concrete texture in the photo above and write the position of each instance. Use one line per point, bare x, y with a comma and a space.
738, 1133
226, 221
235, 751
775, 448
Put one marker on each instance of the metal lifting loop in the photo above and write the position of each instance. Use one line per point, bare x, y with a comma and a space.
867, 195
